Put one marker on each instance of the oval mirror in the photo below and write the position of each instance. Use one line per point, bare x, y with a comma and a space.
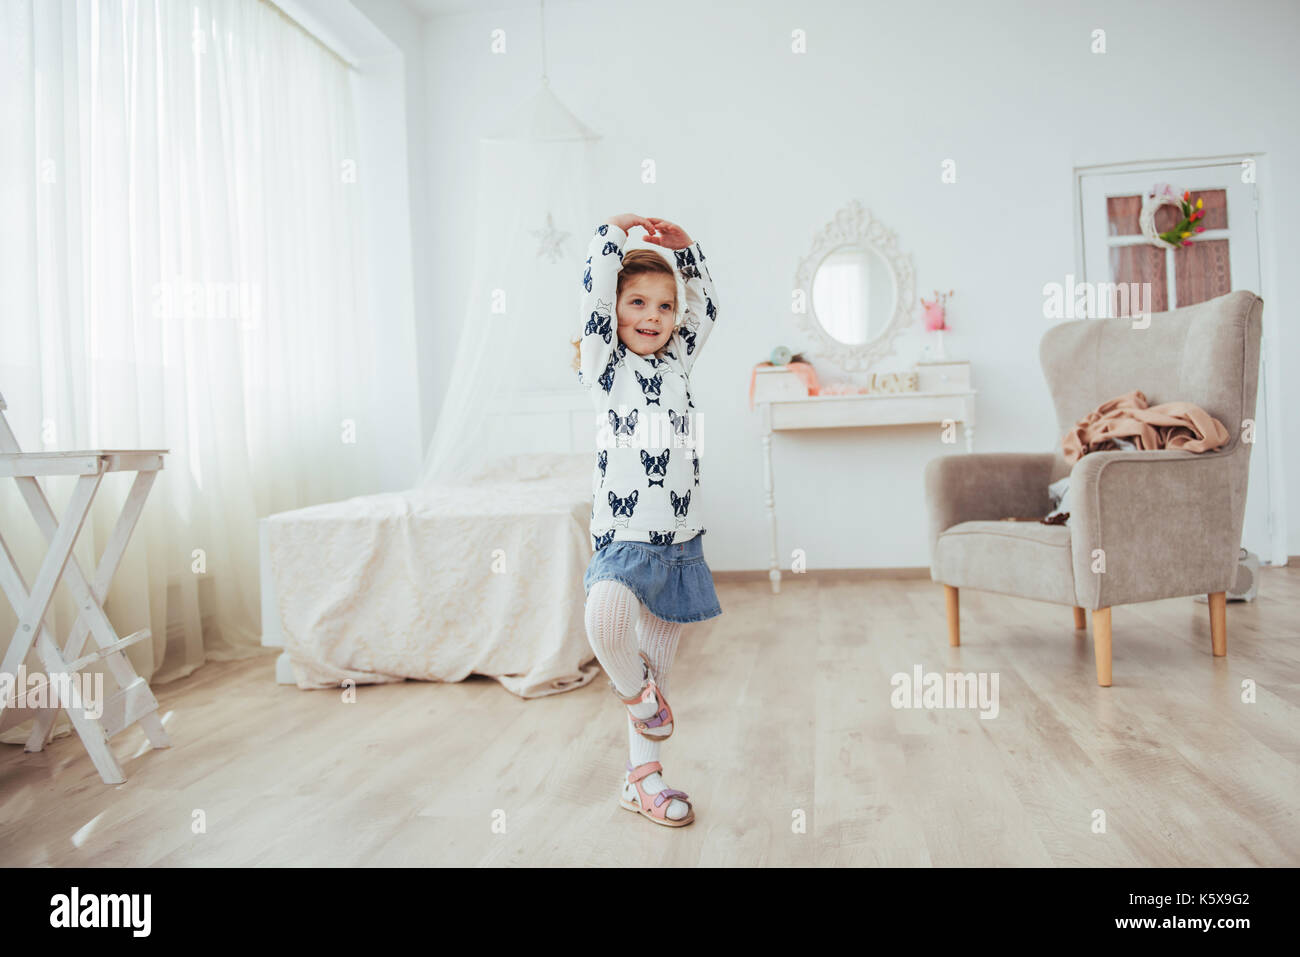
853, 294
855, 290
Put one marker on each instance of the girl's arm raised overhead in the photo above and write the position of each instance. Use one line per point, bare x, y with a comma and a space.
599, 320
701, 311
600, 293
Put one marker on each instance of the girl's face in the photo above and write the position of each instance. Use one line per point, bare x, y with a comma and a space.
647, 313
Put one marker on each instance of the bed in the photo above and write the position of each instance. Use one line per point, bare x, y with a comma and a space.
437, 584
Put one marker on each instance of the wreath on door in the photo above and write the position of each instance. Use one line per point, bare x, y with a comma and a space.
1162, 194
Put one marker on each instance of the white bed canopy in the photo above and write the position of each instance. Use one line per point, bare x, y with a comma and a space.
514, 354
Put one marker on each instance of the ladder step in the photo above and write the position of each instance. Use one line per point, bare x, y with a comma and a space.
107, 650
127, 707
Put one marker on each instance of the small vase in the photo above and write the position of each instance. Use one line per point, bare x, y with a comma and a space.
936, 347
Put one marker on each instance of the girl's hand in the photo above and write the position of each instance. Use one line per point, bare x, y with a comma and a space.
670, 234
628, 220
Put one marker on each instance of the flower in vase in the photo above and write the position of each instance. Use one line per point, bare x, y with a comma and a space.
935, 317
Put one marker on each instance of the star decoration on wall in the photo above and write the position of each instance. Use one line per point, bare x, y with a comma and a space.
550, 241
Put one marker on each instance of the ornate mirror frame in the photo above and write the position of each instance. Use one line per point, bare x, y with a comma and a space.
855, 225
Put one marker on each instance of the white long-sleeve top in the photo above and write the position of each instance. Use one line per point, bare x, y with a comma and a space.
646, 480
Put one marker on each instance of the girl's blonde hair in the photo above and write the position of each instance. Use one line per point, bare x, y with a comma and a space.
636, 262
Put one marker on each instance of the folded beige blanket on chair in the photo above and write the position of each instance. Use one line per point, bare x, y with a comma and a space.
1169, 425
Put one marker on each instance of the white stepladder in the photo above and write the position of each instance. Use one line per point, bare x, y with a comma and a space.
133, 701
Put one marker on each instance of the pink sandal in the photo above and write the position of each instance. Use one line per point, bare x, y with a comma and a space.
654, 806
653, 726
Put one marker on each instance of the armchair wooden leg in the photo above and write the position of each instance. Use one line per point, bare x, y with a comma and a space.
954, 623
1080, 618
1101, 644
1219, 623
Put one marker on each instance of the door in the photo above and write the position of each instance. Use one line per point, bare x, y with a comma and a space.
1224, 257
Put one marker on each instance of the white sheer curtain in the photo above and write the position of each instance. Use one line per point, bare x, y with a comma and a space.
534, 220
180, 267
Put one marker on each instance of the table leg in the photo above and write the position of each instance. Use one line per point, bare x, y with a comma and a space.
62, 536
101, 628
43, 726
774, 566
968, 419
88, 729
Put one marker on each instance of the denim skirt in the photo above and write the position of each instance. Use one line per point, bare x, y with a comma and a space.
673, 581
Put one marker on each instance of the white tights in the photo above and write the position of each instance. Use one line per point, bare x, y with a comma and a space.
619, 627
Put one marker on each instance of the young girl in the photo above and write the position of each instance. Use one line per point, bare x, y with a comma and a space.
647, 576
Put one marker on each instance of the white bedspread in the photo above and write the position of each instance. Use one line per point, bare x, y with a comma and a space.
437, 584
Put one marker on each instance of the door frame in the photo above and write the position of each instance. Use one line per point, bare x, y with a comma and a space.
1270, 292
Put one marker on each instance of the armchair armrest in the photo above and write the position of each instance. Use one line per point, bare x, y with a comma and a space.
989, 485
1147, 525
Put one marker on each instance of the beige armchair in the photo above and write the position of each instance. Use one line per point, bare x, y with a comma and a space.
1144, 525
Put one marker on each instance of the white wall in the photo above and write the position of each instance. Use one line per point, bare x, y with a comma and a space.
380, 40
405, 30
757, 148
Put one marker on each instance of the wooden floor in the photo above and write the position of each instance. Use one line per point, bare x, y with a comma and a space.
784, 716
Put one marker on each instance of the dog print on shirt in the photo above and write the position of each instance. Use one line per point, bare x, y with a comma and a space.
655, 465
680, 504
616, 360
650, 387
624, 426
622, 508
602, 460
686, 264
681, 423
600, 541
600, 323
662, 538
688, 337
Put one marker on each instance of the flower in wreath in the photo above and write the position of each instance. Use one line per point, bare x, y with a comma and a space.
1162, 194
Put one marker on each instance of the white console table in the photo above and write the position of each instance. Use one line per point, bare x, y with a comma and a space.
856, 411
